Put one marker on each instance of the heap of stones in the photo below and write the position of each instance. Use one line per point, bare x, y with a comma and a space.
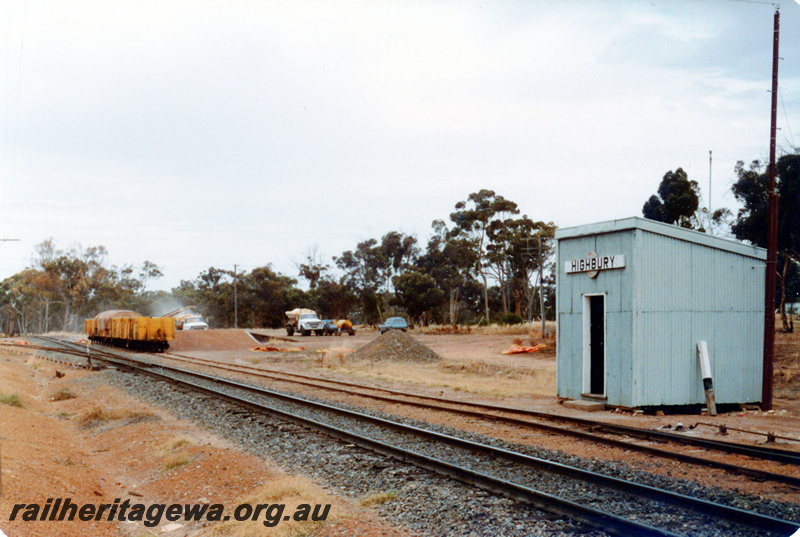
398, 346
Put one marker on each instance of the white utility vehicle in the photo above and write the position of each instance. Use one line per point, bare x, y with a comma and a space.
303, 321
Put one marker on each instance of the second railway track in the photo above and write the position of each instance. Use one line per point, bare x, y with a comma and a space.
583, 429
521, 473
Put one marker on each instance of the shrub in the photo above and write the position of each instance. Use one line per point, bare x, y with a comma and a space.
510, 318
177, 462
62, 395
11, 400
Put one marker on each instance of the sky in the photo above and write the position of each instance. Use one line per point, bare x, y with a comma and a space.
202, 133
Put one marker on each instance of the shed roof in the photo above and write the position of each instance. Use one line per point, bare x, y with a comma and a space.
660, 228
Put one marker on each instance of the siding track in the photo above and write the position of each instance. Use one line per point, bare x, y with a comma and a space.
514, 476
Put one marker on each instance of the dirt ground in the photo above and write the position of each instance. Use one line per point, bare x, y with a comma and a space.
75, 438
99, 445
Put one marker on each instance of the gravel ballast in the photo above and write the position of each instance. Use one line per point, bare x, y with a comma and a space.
423, 502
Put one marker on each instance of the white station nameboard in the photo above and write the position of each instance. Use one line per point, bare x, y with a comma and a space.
595, 263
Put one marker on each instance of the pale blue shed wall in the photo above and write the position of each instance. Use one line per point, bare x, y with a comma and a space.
617, 286
687, 292
677, 288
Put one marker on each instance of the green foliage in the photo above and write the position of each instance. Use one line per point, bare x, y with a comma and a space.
751, 224
514, 258
451, 280
472, 219
418, 293
11, 400
64, 286
510, 318
750, 190
369, 268
313, 270
333, 299
263, 297
449, 259
677, 201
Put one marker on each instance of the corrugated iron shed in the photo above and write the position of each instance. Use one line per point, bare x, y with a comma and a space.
628, 335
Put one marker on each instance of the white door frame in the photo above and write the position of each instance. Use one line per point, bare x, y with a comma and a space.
587, 344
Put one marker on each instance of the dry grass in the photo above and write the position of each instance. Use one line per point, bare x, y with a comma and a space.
530, 330
787, 364
290, 491
13, 399
174, 452
177, 462
476, 377
378, 498
99, 415
62, 395
174, 444
336, 354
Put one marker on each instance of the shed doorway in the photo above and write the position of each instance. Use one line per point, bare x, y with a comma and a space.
594, 345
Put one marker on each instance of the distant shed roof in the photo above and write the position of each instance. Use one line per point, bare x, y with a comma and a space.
667, 230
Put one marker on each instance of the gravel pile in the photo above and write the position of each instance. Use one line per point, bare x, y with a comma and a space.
396, 346
212, 340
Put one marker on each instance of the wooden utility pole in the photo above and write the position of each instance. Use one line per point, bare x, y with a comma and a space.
772, 237
235, 301
541, 290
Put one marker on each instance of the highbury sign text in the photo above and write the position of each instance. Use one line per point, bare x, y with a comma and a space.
594, 263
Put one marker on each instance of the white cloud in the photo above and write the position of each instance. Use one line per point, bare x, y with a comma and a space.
212, 133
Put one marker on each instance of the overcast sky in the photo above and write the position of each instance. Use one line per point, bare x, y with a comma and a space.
211, 133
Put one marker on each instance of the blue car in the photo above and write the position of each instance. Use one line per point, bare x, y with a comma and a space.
393, 323
329, 327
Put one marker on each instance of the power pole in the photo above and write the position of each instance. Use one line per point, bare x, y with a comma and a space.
772, 237
541, 290
235, 301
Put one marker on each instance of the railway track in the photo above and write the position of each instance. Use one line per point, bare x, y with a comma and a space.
434, 451
586, 430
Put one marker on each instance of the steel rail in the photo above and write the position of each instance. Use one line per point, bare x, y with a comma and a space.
587, 436
775, 454
757, 474
547, 502
715, 510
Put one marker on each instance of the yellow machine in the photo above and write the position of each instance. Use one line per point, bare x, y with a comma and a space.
345, 325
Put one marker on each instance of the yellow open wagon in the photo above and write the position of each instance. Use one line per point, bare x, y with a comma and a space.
125, 328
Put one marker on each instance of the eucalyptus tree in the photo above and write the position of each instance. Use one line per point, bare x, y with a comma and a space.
267, 295
677, 201
418, 293
399, 250
365, 272
472, 219
751, 223
313, 269
449, 259
515, 258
